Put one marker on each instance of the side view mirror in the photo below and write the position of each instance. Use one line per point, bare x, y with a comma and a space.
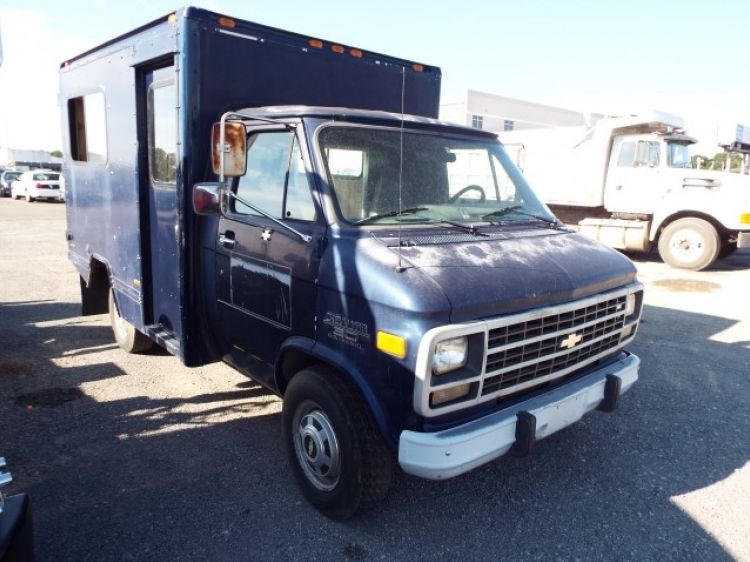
207, 198
231, 150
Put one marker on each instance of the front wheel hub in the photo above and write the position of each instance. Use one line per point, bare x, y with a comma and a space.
316, 447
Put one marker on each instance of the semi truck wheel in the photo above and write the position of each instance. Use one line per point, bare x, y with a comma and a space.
689, 243
126, 336
338, 457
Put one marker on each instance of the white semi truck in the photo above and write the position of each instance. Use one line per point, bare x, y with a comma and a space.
628, 182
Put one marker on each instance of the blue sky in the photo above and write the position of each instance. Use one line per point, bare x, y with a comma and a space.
586, 55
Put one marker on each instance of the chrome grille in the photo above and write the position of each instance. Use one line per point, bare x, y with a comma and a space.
518, 352
525, 351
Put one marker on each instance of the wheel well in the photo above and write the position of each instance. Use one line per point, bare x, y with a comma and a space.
291, 363
95, 292
294, 360
723, 232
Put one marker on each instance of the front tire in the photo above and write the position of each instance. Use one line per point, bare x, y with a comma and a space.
338, 457
127, 337
689, 243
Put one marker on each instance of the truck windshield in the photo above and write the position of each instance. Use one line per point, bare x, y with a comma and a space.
678, 155
443, 178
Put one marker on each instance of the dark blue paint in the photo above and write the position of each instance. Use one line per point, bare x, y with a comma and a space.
148, 235
252, 302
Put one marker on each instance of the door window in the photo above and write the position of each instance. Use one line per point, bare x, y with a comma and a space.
647, 153
276, 180
162, 116
88, 131
644, 153
627, 154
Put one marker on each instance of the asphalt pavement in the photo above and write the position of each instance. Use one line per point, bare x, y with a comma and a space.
140, 458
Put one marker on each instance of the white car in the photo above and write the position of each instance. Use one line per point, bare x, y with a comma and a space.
37, 184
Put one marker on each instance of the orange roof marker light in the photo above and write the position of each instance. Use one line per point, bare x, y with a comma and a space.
417, 67
337, 49
356, 53
171, 18
317, 43
226, 22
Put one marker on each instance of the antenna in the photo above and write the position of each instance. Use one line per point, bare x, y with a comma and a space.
400, 267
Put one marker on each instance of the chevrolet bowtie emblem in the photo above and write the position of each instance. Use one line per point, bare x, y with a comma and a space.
571, 341
266, 234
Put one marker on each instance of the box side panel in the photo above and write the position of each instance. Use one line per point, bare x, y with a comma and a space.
105, 201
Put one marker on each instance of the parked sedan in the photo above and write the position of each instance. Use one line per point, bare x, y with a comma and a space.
37, 184
6, 179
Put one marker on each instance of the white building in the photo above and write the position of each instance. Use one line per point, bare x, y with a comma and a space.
28, 159
498, 113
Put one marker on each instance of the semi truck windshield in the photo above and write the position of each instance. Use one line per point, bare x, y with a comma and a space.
440, 178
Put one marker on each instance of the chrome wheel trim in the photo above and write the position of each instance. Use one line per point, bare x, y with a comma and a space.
316, 446
686, 244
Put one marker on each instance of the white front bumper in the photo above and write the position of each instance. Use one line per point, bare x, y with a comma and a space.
448, 453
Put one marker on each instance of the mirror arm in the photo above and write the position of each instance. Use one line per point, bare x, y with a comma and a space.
282, 224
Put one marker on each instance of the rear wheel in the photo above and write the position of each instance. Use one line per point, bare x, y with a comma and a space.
689, 243
338, 457
126, 335
29, 198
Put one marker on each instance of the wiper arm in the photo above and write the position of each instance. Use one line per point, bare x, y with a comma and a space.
470, 228
394, 213
517, 209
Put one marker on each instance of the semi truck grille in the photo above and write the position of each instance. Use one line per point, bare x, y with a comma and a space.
525, 351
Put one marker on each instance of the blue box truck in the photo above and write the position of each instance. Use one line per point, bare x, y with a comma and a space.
292, 206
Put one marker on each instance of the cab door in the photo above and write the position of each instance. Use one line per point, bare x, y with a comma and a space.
266, 273
635, 183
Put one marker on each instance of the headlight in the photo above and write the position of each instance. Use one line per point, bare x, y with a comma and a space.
450, 355
630, 305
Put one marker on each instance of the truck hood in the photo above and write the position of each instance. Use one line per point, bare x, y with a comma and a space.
455, 277
485, 278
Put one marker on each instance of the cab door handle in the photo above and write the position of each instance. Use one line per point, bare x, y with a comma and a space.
226, 239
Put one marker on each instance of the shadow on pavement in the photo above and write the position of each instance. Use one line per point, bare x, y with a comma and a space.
205, 477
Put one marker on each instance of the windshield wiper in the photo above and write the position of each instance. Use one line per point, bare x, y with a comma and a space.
470, 228
394, 213
517, 209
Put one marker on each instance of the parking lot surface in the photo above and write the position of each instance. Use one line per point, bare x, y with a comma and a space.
139, 458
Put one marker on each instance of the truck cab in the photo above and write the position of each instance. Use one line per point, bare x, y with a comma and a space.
411, 256
629, 182
650, 176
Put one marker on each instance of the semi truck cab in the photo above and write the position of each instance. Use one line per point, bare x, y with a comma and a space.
629, 182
